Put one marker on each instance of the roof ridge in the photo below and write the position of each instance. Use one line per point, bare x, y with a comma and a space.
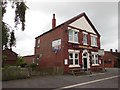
72, 20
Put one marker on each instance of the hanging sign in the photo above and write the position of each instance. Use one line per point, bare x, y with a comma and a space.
101, 52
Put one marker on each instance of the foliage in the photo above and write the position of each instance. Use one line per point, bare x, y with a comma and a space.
20, 14
4, 57
12, 39
20, 61
20, 10
5, 35
33, 65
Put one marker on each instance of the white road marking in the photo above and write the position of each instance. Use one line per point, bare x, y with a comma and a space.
80, 84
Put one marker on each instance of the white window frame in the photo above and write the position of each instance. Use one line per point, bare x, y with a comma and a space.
85, 43
94, 59
93, 40
73, 53
73, 36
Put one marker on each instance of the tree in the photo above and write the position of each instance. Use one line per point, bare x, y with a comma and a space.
21, 62
5, 35
8, 38
12, 39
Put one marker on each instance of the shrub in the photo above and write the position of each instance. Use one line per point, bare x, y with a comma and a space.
21, 62
33, 65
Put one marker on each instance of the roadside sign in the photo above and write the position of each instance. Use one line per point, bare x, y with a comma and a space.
101, 52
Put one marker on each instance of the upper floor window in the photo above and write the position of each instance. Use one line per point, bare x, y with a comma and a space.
85, 38
38, 43
73, 36
93, 40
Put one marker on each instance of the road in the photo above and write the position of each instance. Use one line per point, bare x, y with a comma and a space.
107, 79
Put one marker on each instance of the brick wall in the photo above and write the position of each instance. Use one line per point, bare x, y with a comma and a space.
29, 59
10, 57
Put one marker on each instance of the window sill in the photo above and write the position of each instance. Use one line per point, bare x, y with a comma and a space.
85, 44
95, 64
94, 46
73, 42
74, 65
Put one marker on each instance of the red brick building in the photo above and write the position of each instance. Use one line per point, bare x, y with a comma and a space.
72, 44
111, 58
9, 57
29, 59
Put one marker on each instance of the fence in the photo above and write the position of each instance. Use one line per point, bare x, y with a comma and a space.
14, 72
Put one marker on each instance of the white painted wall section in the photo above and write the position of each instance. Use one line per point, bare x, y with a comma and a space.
83, 24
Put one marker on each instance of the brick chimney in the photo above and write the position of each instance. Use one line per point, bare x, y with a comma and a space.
111, 50
53, 21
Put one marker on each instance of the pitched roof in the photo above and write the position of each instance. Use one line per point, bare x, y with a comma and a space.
72, 20
29, 56
115, 54
9, 51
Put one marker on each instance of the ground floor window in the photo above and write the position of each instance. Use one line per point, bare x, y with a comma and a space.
94, 58
73, 58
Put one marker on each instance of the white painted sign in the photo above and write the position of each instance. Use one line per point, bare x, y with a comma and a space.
101, 52
66, 62
56, 45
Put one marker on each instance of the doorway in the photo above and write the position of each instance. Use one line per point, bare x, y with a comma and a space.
85, 62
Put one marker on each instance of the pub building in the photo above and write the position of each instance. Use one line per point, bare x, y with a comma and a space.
72, 44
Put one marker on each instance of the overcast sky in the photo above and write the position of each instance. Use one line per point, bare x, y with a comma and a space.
104, 16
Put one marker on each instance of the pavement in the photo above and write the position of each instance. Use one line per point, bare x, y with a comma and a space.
108, 79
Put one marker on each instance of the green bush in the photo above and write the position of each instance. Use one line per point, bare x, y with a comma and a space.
33, 65
21, 62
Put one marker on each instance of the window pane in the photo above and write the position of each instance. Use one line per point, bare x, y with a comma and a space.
96, 58
70, 38
96, 61
93, 59
71, 61
70, 55
85, 39
70, 35
76, 61
38, 41
94, 40
76, 55
75, 36
91, 40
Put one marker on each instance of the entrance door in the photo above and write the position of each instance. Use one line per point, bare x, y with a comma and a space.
85, 63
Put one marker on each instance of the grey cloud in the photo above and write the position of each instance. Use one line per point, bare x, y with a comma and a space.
103, 15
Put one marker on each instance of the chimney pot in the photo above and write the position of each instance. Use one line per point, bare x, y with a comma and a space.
116, 50
53, 21
111, 50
